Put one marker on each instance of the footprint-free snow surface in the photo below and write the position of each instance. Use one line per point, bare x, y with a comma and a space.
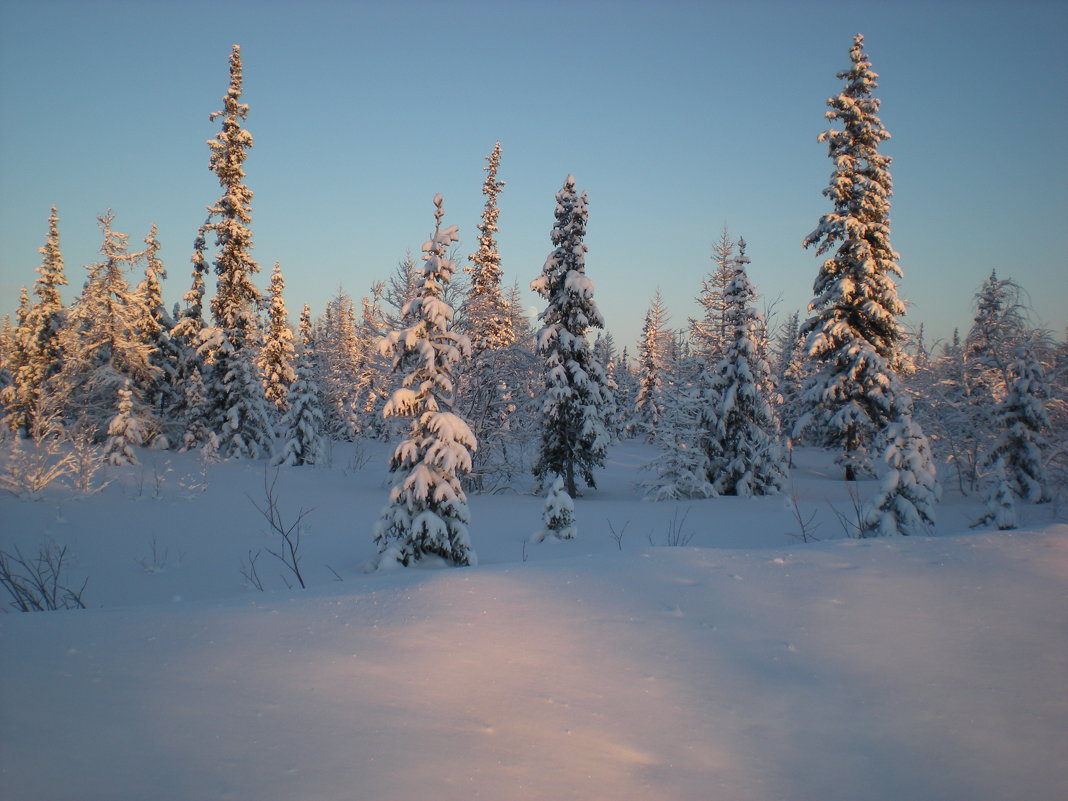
742, 664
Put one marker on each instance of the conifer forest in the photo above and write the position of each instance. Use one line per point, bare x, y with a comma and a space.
676, 559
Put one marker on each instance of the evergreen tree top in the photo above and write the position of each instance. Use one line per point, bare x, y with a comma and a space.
51, 270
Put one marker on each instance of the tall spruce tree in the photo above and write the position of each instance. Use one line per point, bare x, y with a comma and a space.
854, 336
427, 513
487, 388
574, 437
486, 313
236, 296
235, 403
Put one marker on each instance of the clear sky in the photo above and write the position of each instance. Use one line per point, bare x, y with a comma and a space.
678, 118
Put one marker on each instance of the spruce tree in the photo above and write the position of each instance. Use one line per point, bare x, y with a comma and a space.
1022, 422
488, 387
236, 296
853, 334
39, 332
342, 355
558, 515
1000, 501
574, 438
125, 430
427, 514
15, 395
277, 355
652, 363
372, 385
905, 503
749, 459
790, 373
186, 335
681, 468
237, 409
604, 350
154, 326
302, 424
485, 309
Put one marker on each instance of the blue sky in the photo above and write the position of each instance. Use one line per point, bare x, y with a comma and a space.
677, 117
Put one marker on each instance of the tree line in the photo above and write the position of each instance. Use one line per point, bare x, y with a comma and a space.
444, 362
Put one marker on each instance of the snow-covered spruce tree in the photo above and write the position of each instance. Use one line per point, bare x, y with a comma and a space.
959, 399
302, 424
38, 334
790, 374
489, 325
186, 336
1000, 500
854, 336
16, 417
154, 326
237, 413
277, 355
194, 412
427, 513
574, 438
652, 363
626, 395
236, 295
372, 381
237, 409
125, 430
905, 503
999, 328
558, 514
1022, 420
750, 459
604, 350
340, 355
487, 388
680, 469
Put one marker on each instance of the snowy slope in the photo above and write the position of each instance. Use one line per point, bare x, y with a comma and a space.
746, 665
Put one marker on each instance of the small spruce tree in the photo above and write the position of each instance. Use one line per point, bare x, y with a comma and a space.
905, 503
124, 431
558, 514
1022, 420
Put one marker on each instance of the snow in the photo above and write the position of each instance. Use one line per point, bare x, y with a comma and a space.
745, 666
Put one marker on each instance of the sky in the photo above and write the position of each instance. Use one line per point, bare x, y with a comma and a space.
678, 118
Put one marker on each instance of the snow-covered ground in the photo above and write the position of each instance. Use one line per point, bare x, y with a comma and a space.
741, 663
